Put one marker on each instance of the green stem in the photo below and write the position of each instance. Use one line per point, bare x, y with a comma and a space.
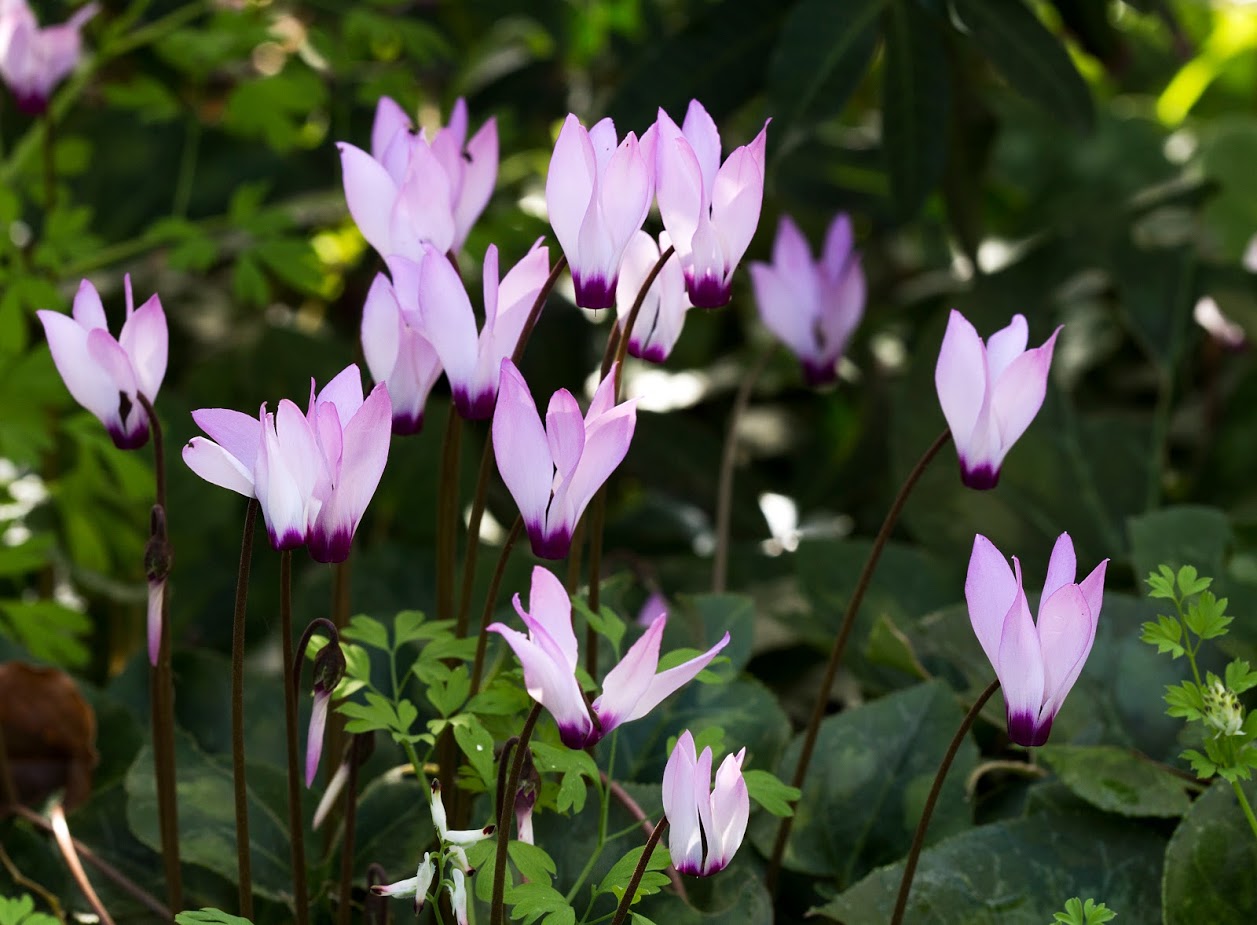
243, 862
605, 812
497, 911
1244, 805
640, 871
296, 825
918, 839
535, 312
840, 645
473, 537
724, 489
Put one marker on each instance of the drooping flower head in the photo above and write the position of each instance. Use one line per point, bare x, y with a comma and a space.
549, 655
707, 823
34, 60
313, 474
1037, 662
662, 315
990, 392
710, 209
812, 306
410, 189
398, 354
444, 314
107, 376
554, 470
597, 194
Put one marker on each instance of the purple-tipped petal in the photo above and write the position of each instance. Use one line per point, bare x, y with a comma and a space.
685, 836
666, 683
1020, 670
627, 683
730, 812
990, 590
551, 683
521, 449
570, 185
1066, 632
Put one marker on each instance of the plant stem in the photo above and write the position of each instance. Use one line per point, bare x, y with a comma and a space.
340, 618
639, 872
724, 489
477, 667
447, 514
161, 696
631, 319
473, 537
840, 645
243, 845
347, 839
597, 523
296, 833
497, 911
643, 820
61, 834
1244, 805
535, 312
574, 556
604, 814
918, 839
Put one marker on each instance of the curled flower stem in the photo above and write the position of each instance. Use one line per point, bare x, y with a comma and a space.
161, 697
243, 862
296, 833
61, 834
477, 666
640, 815
918, 839
840, 645
497, 911
724, 489
640, 871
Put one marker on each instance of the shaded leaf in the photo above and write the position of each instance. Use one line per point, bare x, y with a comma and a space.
1115, 780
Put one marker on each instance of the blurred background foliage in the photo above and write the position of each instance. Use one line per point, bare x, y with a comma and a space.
1086, 163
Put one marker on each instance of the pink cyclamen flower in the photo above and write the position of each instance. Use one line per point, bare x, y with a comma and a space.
990, 392
1036, 662
411, 190
597, 194
313, 474
813, 307
549, 656
34, 60
444, 313
662, 315
554, 470
710, 210
107, 376
707, 824
416, 886
398, 354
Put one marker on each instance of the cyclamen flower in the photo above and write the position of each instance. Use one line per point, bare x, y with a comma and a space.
410, 190
107, 376
710, 210
662, 315
398, 354
444, 312
34, 60
553, 471
707, 824
314, 474
1036, 662
597, 194
989, 392
549, 655
813, 307
416, 886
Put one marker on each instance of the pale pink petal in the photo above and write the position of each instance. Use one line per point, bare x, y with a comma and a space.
565, 432
1093, 590
550, 608
1020, 671
701, 132
237, 433
521, 449
679, 184
702, 800
730, 812
606, 445
89, 384
344, 392
604, 397
516, 295
628, 682
625, 191
990, 591
1018, 394
282, 500
218, 466
1066, 632
1062, 567
88, 310
551, 684
737, 198
370, 194
791, 252
390, 119
423, 212
479, 178
449, 321
782, 309
685, 838
156, 593
314, 735
570, 185
664, 684
960, 378
839, 241
1005, 345
381, 327
108, 354
145, 340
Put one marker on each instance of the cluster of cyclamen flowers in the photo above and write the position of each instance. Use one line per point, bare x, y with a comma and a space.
34, 60
415, 197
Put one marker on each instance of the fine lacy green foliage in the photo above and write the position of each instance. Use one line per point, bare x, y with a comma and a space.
1226, 729
21, 911
1089, 913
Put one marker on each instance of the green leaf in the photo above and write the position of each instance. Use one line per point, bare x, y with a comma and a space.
368, 631
1162, 584
1209, 863
1185, 700
1206, 617
617, 878
529, 901
475, 742
209, 917
1239, 677
410, 626
1031, 58
1190, 583
1014, 872
151, 99
1117, 781
916, 97
606, 622
51, 631
1165, 634
770, 792
819, 58
532, 862
451, 693
276, 109
868, 781
21, 911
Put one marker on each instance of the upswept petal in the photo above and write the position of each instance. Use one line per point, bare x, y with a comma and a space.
314, 735
700, 131
701, 796
1062, 568
282, 500
370, 194
521, 448
516, 294
606, 444
423, 213
844, 311
839, 242
88, 310
236, 432
1066, 632
145, 339
381, 328
550, 607
108, 354
792, 256
551, 684
449, 321
790, 318
960, 378
89, 384
1093, 590
218, 466
1018, 394
604, 396
344, 391
685, 836
625, 192
1005, 345
565, 432
737, 198
1020, 670
628, 681
664, 684
570, 184
479, 178
730, 810
990, 591
678, 188
390, 119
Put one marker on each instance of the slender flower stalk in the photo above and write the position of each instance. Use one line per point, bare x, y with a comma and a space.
296, 825
497, 908
490, 601
447, 514
239, 788
840, 646
360, 746
622, 911
918, 838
